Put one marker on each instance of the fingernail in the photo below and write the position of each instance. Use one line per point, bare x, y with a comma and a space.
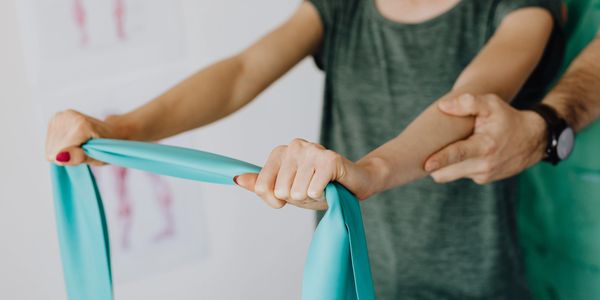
430, 166
63, 157
235, 180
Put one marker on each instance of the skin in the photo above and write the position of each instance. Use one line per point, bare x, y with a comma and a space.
298, 172
519, 136
502, 67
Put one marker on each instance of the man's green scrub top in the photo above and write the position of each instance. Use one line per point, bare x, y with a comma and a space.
559, 210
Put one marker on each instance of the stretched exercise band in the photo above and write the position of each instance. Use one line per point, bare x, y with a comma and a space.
337, 265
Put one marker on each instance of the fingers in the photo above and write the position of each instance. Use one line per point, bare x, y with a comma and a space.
295, 174
476, 157
468, 105
316, 189
265, 183
299, 189
285, 177
455, 153
67, 130
478, 170
73, 156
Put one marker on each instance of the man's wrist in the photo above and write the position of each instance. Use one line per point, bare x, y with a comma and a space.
560, 135
538, 135
569, 106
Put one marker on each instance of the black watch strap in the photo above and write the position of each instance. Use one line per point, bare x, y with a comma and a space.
555, 126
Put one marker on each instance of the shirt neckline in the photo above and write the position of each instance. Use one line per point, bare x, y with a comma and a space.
429, 22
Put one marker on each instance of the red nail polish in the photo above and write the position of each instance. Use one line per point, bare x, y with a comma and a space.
235, 179
63, 157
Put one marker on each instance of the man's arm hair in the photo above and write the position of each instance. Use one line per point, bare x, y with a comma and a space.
577, 95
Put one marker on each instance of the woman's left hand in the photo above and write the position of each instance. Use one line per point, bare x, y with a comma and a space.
298, 173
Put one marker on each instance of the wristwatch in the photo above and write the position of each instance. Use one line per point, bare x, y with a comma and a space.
561, 137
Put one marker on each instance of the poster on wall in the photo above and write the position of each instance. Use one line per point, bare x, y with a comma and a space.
105, 57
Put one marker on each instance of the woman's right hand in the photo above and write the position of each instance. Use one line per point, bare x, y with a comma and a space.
68, 130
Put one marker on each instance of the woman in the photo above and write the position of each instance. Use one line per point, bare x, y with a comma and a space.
386, 63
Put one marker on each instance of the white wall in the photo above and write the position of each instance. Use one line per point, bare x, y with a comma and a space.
254, 252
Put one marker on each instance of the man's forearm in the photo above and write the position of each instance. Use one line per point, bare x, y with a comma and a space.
577, 95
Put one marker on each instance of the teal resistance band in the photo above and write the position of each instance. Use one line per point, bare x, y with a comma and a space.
337, 266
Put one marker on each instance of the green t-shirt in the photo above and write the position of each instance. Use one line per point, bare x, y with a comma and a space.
426, 240
559, 211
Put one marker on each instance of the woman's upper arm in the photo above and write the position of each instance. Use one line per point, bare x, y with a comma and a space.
510, 56
281, 49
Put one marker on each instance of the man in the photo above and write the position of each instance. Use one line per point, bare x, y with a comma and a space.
559, 209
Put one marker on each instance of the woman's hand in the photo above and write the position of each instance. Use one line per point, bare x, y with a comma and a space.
69, 129
298, 173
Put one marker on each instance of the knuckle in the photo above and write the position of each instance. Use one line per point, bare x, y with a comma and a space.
70, 111
331, 156
493, 101
281, 193
461, 153
315, 148
67, 113
442, 158
487, 167
312, 152
297, 142
319, 146
279, 150
276, 204
490, 147
80, 123
481, 179
315, 194
467, 99
260, 189
298, 196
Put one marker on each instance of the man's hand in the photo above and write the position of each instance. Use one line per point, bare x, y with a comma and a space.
505, 141
298, 173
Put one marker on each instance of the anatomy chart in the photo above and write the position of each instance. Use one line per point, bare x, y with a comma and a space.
80, 41
103, 57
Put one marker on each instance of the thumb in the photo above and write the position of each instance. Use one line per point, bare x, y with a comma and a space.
246, 181
73, 156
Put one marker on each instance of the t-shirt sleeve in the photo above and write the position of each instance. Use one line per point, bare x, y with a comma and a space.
549, 66
506, 7
328, 12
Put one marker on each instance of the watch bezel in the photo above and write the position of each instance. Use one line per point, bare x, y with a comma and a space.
555, 128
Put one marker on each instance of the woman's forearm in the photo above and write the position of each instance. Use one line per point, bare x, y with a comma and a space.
202, 98
228, 85
401, 160
501, 68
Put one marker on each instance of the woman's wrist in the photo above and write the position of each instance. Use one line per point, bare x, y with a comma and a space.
377, 171
122, 127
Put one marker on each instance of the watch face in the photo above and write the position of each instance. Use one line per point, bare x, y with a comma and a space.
566, 141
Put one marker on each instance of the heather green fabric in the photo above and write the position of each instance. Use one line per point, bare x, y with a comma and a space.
559, 212
426, 241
